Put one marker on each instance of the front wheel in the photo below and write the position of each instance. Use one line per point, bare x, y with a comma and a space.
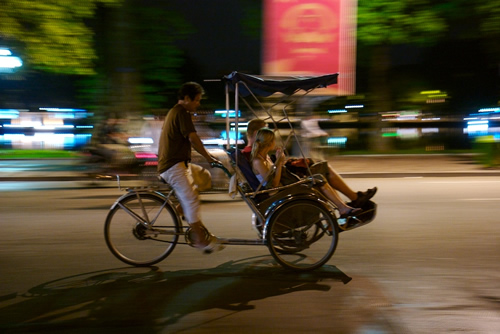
302, 235
131, 239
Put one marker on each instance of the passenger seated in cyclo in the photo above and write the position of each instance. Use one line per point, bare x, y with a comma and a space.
300, 168
263, 166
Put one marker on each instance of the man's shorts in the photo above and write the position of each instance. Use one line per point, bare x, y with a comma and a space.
180, 178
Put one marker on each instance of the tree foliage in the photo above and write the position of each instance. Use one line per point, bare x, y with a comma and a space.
52, 33
159, 59
382, 22
490, 11
139, 62
385, 23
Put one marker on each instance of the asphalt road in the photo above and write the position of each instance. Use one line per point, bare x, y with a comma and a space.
427, 264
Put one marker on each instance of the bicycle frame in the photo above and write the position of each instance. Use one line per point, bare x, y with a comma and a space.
148, 222
145, 219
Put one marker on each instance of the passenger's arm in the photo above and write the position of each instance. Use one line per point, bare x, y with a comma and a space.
280, 160
277, 176
261, 168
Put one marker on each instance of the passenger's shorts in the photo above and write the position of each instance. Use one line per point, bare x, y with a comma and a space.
180, 178
320, 167
299, 167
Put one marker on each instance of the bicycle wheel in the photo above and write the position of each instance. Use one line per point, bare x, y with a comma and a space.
128, 236
302, 235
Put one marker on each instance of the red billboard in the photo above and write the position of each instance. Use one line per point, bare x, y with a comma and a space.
311, 37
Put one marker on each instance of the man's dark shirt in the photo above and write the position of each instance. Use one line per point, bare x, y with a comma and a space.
174, 145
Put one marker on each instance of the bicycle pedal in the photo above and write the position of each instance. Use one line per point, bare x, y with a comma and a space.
187, 237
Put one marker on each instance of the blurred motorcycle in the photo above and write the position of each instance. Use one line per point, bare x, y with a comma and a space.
134, 159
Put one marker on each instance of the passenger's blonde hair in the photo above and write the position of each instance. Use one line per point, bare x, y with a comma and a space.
263, 139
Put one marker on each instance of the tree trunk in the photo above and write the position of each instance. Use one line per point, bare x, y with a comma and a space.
380, 96
124, 97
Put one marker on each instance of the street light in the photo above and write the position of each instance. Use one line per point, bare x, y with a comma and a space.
8, 62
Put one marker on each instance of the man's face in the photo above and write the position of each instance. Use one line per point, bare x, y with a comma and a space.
192, 105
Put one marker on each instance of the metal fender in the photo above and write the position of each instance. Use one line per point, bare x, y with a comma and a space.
134, 194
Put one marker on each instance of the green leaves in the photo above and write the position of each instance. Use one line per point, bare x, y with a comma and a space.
490, 12
382, 22
52, 33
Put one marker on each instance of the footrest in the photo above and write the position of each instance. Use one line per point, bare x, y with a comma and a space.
365, 217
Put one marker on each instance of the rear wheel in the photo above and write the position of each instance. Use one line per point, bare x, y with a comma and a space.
135, 242
302, 235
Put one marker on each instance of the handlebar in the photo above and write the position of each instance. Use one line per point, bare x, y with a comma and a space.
217, 164
221, 166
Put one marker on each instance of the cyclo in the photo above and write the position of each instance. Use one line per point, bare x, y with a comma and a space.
296, 222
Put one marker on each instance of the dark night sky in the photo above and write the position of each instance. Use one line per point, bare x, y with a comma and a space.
219, 45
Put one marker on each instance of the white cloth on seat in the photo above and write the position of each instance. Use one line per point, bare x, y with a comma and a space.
233, 191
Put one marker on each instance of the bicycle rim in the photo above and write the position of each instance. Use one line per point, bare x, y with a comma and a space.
302, 236
131, 241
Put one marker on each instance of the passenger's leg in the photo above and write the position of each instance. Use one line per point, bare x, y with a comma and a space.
332, 195
358, 198
337, 182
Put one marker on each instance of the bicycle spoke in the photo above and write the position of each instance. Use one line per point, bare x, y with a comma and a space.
302, 235
135, 241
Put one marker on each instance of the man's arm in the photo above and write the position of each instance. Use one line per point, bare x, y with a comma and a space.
200, 148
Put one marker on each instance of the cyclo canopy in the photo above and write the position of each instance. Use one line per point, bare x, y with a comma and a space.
267, 85
253, 86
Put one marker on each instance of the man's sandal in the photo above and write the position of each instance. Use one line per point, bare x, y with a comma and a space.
214, 243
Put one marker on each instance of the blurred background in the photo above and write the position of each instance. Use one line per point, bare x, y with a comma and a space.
415, 77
